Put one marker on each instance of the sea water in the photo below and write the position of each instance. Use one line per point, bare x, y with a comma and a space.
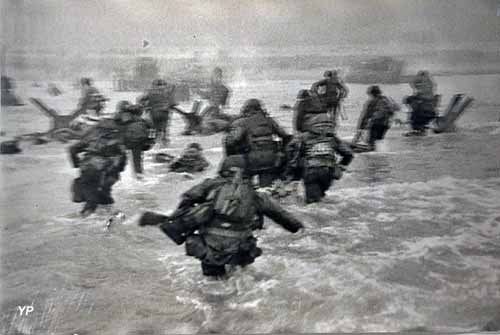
408, 239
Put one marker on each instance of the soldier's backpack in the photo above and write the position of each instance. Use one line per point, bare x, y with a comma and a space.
320, 123
234, 201
320, 153
384, 110
263, 153
139, 133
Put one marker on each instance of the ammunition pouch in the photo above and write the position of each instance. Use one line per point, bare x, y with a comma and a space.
264, 155
195, 246
92, 169
196, 216
320, 162
187, 221
240, 234
174, 231
76, 190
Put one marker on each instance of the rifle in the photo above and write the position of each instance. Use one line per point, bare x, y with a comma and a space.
153, 219
186, 219
166, 225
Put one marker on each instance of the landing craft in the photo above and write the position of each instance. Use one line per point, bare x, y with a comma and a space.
382, 70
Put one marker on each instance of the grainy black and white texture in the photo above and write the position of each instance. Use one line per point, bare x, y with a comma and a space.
407, 239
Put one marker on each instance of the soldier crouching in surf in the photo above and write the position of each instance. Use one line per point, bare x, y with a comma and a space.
104, 157
216, 218
191, 160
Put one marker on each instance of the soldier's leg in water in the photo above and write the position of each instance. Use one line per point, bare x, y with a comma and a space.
325, 180
90, 183
190, 124
137, 159
266, 178
162, 134
91, 194
312, 186
158, 131
247, 252
213, 270
105, 191
372, 136
420, 124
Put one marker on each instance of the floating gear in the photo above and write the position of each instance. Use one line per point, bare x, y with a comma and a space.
10, 147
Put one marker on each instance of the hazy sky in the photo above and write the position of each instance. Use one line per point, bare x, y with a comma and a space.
77, 25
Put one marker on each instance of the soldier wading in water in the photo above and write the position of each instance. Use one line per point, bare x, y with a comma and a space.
215, 219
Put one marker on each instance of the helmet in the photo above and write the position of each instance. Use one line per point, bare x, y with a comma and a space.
85, 81
230, 163
195, 145
303, 95
251, 104
159, 83
328, 74
374, 90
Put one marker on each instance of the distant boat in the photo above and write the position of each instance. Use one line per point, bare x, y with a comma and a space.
382, 70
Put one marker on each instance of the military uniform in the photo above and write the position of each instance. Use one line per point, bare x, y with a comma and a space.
335, 92
91, 98
213, 119
312, 157
217, 95
423, 85
423, 103
225, 238
136, 133
376, 117
309, 104
253, 135
160, 100
103, 160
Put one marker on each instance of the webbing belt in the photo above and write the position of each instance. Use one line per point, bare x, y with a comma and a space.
229, 233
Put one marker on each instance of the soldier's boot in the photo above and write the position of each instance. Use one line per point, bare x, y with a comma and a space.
105, 197
313, 193
216, 271
89, 208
